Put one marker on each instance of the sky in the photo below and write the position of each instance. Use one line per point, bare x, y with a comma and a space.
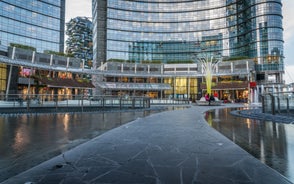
83, 8
288, 24
75, 8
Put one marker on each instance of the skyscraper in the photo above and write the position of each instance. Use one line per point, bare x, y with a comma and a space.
79, 41
33, 23
39, 24
152, 31
240, 28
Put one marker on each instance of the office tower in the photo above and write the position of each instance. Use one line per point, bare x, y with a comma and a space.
30, 24
34, 23
153, 31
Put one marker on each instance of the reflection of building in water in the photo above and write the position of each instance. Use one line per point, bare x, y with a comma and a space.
274, 146
267, 141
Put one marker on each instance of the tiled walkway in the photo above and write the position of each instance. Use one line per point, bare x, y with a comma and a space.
164, 148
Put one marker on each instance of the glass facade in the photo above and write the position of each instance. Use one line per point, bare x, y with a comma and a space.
35, 23
174, 30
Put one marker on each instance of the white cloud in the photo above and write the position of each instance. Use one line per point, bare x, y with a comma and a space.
289, 75
75, 8
288, 25
288, 15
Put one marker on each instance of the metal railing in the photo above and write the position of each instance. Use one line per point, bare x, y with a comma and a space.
81, 102
168, 101
109, 72
278, 103
58, 101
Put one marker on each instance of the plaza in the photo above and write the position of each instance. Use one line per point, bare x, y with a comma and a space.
168, 147
145, 53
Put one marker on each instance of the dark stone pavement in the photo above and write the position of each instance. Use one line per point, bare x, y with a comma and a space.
168, 147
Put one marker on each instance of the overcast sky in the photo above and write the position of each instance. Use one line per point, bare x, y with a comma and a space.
74, 8
288, 24
83, 8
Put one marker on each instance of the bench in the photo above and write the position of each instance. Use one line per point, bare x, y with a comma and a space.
202, 101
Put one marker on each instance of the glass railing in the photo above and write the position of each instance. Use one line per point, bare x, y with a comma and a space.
54, 103
60, 101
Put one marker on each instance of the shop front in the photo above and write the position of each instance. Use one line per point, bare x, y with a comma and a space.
230, 92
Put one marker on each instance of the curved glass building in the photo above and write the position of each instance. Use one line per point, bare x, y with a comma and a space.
35, 23
174, 30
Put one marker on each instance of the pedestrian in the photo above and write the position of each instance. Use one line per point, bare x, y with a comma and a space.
207, 97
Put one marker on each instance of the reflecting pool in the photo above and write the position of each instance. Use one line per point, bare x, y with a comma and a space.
29, 139
271, 142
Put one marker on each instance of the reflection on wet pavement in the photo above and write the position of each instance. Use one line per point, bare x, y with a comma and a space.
272, 143
27, 140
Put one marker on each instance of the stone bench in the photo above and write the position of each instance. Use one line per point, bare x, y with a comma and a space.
202, 101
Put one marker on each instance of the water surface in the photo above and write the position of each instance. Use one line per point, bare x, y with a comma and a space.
30, 139
272, 143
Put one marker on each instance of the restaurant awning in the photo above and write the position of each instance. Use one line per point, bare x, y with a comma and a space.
134, 86
228, 86
65, 83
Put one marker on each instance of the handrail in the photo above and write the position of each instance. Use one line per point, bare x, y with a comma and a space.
58, 101
278, 103
20, 62
102, 101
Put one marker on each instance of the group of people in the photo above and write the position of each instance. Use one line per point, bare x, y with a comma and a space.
209, 98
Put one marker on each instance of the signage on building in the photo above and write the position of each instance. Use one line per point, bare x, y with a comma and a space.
252, 84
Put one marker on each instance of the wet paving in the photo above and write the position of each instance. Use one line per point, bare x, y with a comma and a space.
271, 142
28, 140
169, 147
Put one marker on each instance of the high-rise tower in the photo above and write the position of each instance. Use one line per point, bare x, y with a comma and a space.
79, 41
33, 23
39, 24
151, 31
